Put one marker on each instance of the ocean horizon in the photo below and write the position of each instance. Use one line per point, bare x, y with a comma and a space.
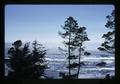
57, 62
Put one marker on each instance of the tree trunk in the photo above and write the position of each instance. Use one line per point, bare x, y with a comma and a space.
69, 52
79, 62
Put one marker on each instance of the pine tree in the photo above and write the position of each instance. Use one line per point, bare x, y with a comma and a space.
24, 63
74, 37
38, 59
80, 38
69, 31
18, 61
108, 45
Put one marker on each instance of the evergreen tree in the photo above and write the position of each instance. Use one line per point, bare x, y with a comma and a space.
75, 37
38, 59
18, 61
80, 38
69, 32
108, 45
26, 64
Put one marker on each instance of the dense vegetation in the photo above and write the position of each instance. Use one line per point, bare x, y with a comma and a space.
26, 64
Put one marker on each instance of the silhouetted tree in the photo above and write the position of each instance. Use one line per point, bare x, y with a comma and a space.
38, 59
75, 37
80, 38
18, 60
25, 64
108, 45
69, 32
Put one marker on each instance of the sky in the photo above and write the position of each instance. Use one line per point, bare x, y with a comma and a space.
42, 22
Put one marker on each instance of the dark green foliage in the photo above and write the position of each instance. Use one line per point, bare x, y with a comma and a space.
38, 59
111, 20
62, 73
87, 53
26, 50
101, 64
108, 45
64, 76
109, 77
80, 38
101, 49
75, 37
17, 44
69, 32
23, 62
18, 61
73, 57
73, 65
82, 63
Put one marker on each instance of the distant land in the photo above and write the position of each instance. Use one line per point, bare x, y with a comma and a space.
51, 51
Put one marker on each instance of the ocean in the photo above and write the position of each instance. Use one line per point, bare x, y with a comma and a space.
57, 62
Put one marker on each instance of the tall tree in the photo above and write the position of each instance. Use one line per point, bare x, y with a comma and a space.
75, 37
69, 31
109, 45
38, 59
80, 38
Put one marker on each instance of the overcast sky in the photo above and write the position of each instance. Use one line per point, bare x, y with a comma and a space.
42, 22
